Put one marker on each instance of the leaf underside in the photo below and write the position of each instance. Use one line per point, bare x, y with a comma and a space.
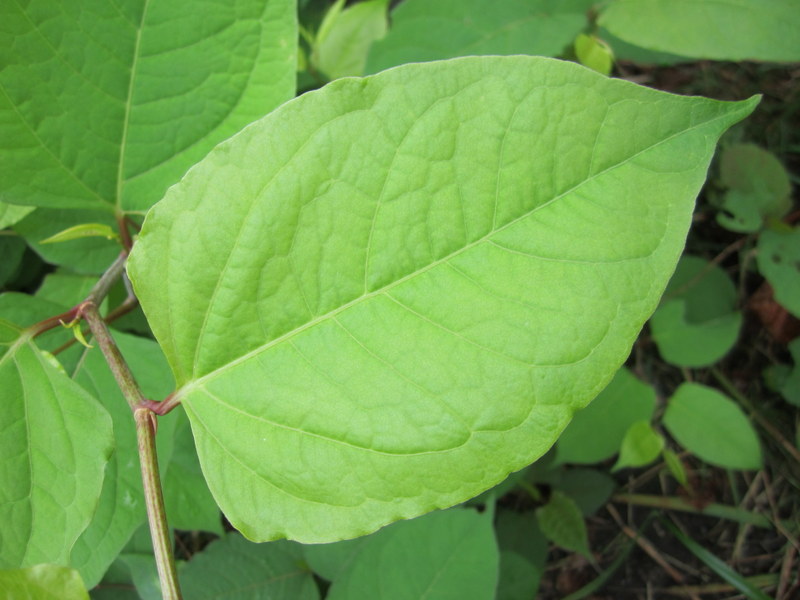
388, 294
51, 470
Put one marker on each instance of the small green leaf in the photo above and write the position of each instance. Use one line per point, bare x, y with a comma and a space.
594, 53
675, 467
779, 262
641, 446
56, 440
405, 318
597, 431
423, 30
561, 521
696, 324
89, 255
83, 230
730, 30
42, 582
345, 37
712, 426
447, 555
758, 188
232, 567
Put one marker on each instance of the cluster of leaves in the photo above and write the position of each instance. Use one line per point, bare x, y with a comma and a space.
339, 366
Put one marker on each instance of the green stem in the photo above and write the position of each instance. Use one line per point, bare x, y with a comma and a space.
119, 368
154, 499
145, 430
720, 511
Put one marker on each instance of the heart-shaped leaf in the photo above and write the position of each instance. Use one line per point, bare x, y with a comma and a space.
388, 294
105, 105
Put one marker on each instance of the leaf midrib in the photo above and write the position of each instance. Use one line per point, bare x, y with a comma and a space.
128, 104
189, 385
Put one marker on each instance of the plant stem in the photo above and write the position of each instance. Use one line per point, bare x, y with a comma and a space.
719, 511
119, 368
99, 291
145, 429
154, 499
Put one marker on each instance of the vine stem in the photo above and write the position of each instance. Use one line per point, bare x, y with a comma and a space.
145, 421
154, 500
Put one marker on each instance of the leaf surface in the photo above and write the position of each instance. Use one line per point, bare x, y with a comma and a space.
447, 555
562, 523
387, 295
422, 30
56, 439
697, 324
42, 582
596, 432
232, 567
104, 105
715, 29
713, 427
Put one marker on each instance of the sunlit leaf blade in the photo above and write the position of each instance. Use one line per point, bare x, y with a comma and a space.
422, 30
232, 567
105, 105
87, 255
55, 441
387, 295
342, 50
42, 582
716, 29
121, 507
641, 446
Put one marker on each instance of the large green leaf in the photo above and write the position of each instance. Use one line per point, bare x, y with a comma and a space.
104, 105
388, 294
423, 30
55, 441
716, 29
